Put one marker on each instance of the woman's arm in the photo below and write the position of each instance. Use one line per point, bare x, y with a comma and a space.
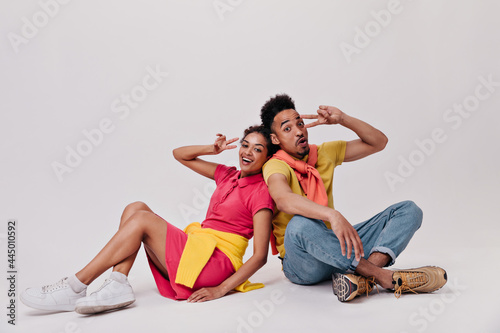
188, 155
262, 232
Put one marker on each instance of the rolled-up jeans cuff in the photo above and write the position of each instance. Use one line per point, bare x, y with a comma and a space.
352, 267
386, 250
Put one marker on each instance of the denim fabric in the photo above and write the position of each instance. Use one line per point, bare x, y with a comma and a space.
313, 251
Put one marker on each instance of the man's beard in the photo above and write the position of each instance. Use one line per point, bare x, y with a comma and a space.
303, 154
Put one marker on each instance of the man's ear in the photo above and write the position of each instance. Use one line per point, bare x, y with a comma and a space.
274, 139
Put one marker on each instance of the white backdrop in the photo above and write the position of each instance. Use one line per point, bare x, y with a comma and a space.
94, 97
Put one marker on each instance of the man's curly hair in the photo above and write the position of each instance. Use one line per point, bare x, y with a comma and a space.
274, 106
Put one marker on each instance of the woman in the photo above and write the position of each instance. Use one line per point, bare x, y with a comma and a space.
204, 262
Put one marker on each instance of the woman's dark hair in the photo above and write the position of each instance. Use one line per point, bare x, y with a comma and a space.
266, 133
274, 106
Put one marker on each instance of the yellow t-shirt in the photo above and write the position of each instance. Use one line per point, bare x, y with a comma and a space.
330, 155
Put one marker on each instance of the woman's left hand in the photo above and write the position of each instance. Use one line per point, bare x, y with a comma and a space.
205, 294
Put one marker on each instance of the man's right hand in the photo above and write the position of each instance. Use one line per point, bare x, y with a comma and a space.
347, 235
326, 115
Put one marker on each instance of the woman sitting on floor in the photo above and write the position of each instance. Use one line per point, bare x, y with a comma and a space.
201, 263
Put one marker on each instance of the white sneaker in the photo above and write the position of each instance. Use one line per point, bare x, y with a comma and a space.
54, 297
112, 295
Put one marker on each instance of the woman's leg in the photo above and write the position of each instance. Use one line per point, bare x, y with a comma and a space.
141, 226
125, 266
138, 225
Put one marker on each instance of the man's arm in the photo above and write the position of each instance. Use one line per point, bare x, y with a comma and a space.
292, 203
370, 141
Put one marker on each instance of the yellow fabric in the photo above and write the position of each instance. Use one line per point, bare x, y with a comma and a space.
200, 245
330, 155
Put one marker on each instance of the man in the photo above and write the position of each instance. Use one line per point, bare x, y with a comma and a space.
315, 241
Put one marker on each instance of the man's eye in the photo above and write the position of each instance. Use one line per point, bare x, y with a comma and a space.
287, 129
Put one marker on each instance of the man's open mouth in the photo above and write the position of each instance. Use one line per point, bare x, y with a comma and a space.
302, 142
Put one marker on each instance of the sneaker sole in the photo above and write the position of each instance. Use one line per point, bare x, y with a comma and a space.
52, 307
343, 287
92, 309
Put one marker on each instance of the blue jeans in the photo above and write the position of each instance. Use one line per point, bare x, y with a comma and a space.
313, 251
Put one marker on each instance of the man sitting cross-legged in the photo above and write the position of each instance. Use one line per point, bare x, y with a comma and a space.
314, 240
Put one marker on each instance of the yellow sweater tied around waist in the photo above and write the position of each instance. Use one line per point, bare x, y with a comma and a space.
200, 245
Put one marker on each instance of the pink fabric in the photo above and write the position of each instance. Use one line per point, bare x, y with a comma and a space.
235, 201
218, 268
231, 209
307, 175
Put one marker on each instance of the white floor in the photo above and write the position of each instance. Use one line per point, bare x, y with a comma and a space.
468, 303
422, 73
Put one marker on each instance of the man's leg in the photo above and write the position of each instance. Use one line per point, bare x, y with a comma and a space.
313, 251
387, 234
313, 254
384, 237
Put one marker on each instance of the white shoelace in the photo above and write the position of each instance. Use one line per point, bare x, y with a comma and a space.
106, 282
55, 286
